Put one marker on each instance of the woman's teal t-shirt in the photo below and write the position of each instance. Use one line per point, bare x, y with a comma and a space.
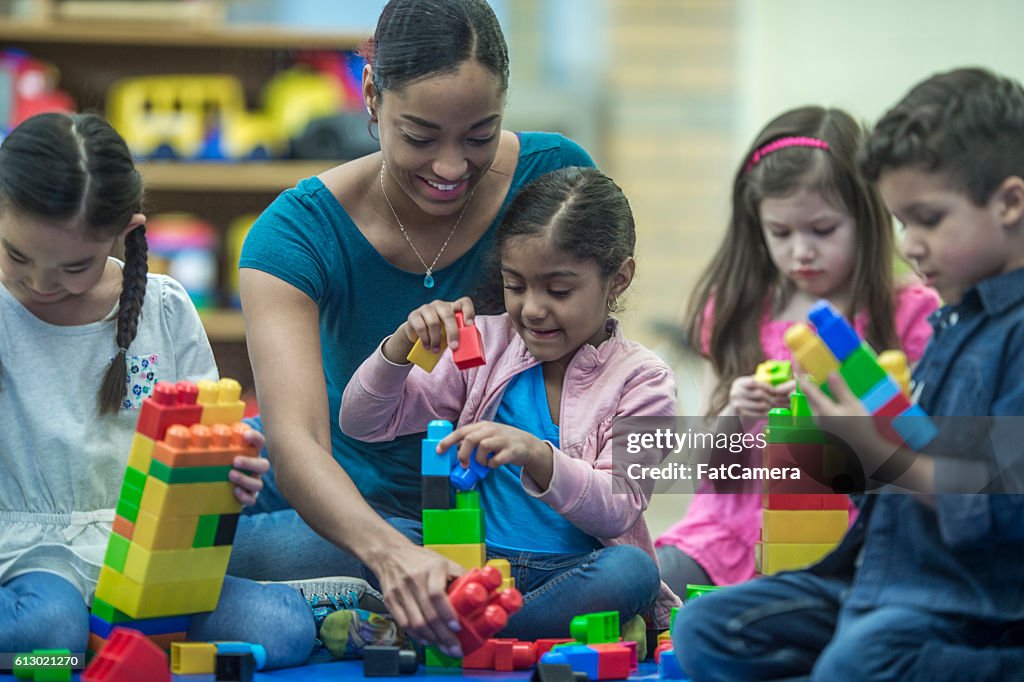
306, 239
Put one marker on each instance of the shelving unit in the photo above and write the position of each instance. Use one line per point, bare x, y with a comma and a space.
91, 55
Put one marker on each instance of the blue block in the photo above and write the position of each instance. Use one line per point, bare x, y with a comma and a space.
433, 464
834, 330
882, 392
669, 668
915, 427
259, 654
438, 429
466, 479
147, 626
582, 659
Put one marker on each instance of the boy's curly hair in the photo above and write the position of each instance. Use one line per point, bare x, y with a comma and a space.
967, 124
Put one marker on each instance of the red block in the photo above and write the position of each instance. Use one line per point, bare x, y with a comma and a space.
482, 610
664, 646
810, 502
511, 654
169, 404
470, 352
129, 656
545, 645
614, 661
482, 658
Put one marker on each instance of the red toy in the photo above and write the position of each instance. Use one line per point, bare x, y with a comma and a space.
169, 404
470, 352
129, 656
482, 609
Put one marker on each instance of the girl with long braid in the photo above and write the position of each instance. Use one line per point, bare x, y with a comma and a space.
83, 340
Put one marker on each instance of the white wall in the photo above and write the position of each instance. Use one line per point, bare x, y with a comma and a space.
863, 56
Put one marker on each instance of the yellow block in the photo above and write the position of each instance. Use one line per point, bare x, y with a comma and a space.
221, 401
894, 362
190, 658
167, 532
503, 566
804, 526
157, 600
141, 454
507, 584
423, 358
467, 556
771, 558
148, 567
810, 352
189, 499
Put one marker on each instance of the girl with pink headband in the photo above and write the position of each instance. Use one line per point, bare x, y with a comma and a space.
804, 226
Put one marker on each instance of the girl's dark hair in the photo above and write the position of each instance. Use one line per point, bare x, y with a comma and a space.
967, 124
417, 39
742, 273
76, 170
583, 211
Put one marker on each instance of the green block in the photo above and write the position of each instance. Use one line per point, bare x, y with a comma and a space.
791, 434
128, 509
45, 672
672, 617
862, 371
469, 499
158, 469
102, 609
800, 409
694, 591
453, 526
433, 658
206, 530
117, 552
595, 628
133, 485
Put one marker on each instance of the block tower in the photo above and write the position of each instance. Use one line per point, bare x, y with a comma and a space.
176, 516
455, 531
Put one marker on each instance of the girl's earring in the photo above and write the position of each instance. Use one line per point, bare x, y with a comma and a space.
613, 304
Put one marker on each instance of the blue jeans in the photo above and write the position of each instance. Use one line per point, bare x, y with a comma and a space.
794, 626
556, 587
43, 611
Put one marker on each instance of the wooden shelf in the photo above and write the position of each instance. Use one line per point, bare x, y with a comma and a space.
148, 34
250, 176
223, 325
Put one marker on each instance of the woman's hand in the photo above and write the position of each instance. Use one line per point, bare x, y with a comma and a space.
431, 324
248, 471
414, 582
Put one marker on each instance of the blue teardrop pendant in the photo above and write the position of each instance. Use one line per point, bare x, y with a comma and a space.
428, 281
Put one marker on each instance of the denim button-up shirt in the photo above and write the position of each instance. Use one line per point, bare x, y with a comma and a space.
965, 554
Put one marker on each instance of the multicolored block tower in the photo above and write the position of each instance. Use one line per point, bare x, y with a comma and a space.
176, 516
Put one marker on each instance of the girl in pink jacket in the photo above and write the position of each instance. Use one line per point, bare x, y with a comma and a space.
539, 413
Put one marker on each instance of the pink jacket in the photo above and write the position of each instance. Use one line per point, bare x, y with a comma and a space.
619, 378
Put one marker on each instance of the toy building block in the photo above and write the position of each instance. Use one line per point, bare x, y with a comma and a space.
468, 556
595, 628
804, 502
615, 661
482, 658
482, 609
465, 478
771, 558
141, 452
669, 668
169, 404
545, 645
221, 401
818, 526
511, 654
810, 352
774, 372
425, 359
453, 526
258, 653
436, 492
188, 658
435, 658
147, 626
234, 666
470, 352
432, 463
894, 362
557, 672
579, 657
388, 661
129, 656
694, 591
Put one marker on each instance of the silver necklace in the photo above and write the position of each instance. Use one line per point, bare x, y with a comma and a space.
428, 278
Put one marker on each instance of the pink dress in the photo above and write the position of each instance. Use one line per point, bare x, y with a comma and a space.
719, 531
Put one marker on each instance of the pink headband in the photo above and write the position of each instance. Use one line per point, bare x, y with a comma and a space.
782, 143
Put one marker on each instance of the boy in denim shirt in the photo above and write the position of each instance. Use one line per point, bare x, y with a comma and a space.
927, 587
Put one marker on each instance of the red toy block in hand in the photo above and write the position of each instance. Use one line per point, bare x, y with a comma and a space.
483, 611
470, 352
169, 404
